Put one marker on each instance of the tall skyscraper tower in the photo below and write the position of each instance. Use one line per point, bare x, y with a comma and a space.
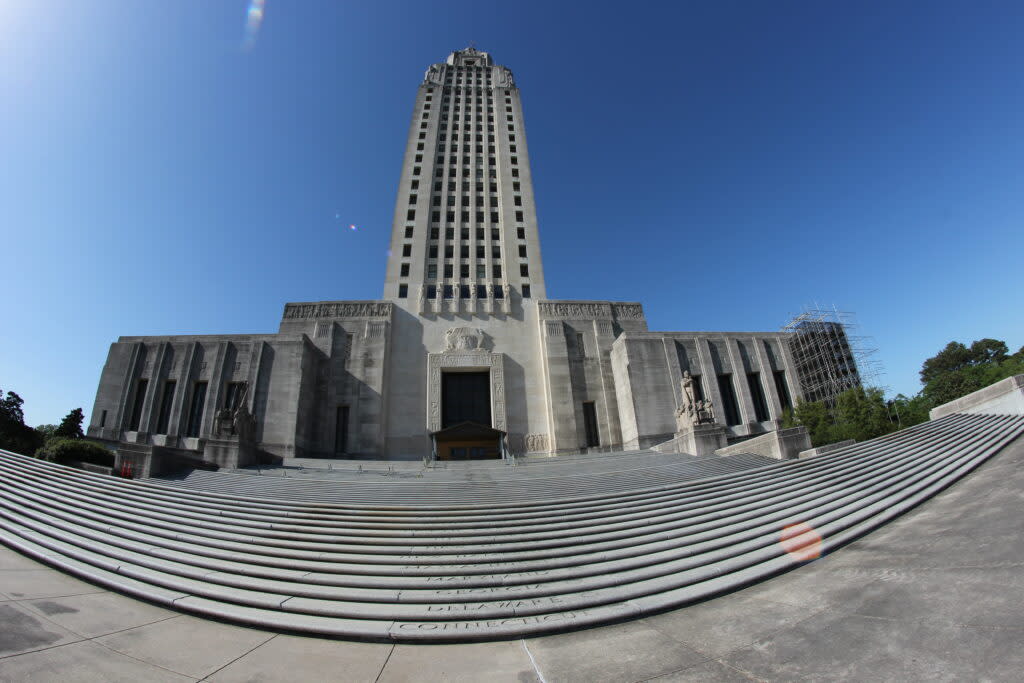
464, 238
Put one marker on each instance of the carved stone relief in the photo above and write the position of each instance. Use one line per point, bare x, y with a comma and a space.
458, 339
536, 443
338, 309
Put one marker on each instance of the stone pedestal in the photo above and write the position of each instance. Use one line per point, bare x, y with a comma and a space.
701, 439
230, 452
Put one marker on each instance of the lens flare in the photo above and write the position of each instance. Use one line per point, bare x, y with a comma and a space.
254, 17
801, 541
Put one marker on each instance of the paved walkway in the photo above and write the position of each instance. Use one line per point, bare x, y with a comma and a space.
936, 595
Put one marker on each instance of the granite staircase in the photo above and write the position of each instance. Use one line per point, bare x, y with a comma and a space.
460, 560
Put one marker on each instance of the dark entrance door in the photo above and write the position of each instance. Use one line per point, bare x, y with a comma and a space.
465, 397
590, 423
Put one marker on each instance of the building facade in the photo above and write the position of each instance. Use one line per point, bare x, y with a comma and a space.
464, 333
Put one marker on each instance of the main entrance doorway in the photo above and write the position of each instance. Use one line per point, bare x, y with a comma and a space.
466, 432
465, 397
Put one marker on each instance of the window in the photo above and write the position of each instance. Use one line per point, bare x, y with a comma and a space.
406, 250
403, 291
419, 146
432, 271
166, 401
481, 272
404, 272
590, 424
435, 217
522, 251
512, 148
757, 396
495, 252
481, 291
526, 291
480, 251
728, 392
781, 389
449, 251
449, 233
497, 271
431, 291
411, 216
341, 430
524, 270
499, 293
140, 397
412, 200
464, 270
515, 186
416, 170
449, 270
408, 232
432, 251
448, 293
464, 291
414, 185
464, 251
517, 200
521, 233
515, 172
195, 411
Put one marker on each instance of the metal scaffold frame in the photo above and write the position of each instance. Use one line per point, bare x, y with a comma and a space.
829, 358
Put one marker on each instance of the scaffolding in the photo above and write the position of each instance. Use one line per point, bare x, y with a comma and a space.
828, 356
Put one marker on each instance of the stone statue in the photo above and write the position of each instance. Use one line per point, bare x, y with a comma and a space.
692, 412
687, 388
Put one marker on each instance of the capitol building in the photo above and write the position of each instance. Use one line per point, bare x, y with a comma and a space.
464, 356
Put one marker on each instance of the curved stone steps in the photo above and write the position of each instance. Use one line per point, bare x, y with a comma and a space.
270, 530
175, 520
427, 491
690, 542
258, 580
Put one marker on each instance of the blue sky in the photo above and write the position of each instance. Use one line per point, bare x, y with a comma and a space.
725, 163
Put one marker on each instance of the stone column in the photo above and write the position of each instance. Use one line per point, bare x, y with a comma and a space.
768, 381
561, 411
604, 335
748, 415
709, 375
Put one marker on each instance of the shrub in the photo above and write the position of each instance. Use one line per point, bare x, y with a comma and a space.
71, 451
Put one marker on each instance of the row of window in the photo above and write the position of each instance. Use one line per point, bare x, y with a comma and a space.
465, 291
435, 216
233, 392
464, 269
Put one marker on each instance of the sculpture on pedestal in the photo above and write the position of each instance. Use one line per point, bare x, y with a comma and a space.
693, 412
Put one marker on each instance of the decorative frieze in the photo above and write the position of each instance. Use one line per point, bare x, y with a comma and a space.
590, 310
338, 309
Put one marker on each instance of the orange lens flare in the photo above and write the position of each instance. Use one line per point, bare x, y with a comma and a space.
801, 541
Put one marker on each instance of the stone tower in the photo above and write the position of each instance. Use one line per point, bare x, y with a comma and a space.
464, 237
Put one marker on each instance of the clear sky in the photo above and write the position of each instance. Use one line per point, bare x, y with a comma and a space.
725, 163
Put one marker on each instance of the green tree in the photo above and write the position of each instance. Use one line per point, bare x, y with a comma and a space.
71, 426
909, 411
15, 435
816, 416
958, 370
46, 432
861, 414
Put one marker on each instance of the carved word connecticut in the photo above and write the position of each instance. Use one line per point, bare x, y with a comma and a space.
339, 309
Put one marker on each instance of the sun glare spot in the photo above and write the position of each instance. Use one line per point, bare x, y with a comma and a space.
801, 541
254, 17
